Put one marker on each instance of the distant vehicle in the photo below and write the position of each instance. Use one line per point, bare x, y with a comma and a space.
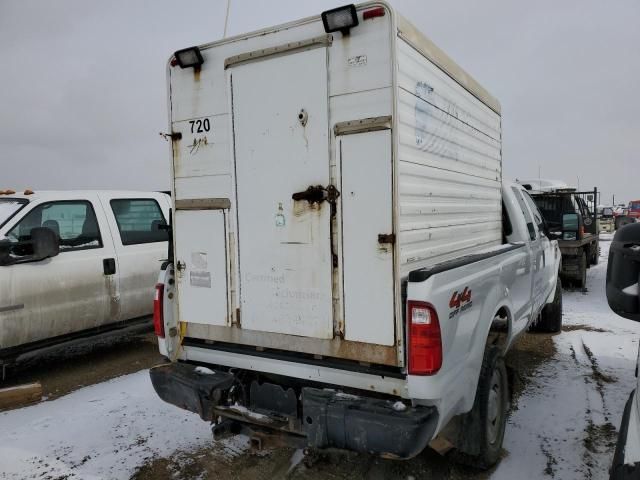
623, 295
634, 209
573, 222
352, 272
606, 219
73, 263
622, 216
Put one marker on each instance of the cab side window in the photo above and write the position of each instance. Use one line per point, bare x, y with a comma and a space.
525, 212
139, 220
73, 221
537, 216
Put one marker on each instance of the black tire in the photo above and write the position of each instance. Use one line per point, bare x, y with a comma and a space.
581, 277
482, 431
596, 255
550, 320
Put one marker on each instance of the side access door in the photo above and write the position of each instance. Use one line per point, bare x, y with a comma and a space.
284, 199
367, 238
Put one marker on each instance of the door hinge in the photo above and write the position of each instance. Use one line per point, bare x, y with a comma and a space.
387, 238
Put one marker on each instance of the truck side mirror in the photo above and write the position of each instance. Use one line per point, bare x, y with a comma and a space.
623, 272
45, 243
570, 222
570, 226
5, 252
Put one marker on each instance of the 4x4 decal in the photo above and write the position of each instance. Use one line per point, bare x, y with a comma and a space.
460, 301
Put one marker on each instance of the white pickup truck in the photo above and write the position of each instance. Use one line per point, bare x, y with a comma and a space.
348, 267
75, 263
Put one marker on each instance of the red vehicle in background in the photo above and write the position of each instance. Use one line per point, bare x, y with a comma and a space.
634, 209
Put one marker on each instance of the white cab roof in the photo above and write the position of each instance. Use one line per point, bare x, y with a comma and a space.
47, 195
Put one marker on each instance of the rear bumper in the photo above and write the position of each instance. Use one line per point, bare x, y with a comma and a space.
365, 424
324, 418
182, 385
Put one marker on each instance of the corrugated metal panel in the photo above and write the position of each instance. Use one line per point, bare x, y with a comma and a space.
409, 33
449, 166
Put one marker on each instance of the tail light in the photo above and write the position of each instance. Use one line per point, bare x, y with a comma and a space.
373, 13
425, 341
581, 232
158, 313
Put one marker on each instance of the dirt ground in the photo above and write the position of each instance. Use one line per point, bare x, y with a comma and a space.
64, 369
217, 461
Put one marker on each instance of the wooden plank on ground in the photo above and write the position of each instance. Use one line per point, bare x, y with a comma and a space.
20, 395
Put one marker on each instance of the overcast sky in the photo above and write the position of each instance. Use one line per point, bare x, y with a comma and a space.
83, 85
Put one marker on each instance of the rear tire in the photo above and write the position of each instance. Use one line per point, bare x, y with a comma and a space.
550, 320
581, 276
483, 427
596, 255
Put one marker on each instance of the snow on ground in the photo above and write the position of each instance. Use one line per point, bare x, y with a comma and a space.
564, 425
104, 431
566, 422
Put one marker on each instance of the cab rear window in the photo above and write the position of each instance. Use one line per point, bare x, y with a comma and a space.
139, 221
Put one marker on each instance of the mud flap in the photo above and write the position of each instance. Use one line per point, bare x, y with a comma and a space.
361, 424
194, 389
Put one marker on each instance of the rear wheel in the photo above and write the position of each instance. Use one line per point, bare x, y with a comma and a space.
550, 320
581, 276
596, 254
484, 425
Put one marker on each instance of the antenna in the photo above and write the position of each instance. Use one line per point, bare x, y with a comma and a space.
226, 19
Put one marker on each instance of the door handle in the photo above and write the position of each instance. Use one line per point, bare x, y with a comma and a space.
317, 194
109, 266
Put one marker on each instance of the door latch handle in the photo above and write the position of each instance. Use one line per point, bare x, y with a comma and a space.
180, 266
317, 194
386, 238
109, 266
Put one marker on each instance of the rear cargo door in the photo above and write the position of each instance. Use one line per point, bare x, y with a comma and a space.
281, 148
367, 227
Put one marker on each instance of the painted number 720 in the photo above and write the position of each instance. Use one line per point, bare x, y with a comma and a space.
200, 125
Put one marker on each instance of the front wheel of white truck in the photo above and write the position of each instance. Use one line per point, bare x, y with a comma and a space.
483, 427
550, 320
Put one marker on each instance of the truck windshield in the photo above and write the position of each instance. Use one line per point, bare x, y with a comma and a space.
9, 207
634, 206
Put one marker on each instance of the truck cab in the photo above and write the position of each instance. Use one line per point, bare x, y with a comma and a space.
74, 263
572, 219
634, 209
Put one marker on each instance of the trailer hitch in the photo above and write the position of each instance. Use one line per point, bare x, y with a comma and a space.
318, 194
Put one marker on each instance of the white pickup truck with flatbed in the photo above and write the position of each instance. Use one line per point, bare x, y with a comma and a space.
348, 267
